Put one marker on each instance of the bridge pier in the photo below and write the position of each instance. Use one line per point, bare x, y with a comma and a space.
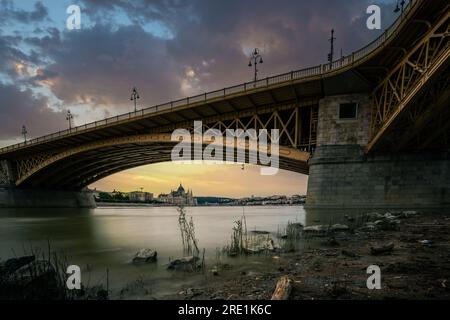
27, 198
12, 197
343, 176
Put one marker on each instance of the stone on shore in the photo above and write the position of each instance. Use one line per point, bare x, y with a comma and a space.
183, 264
382, 249
339, 227
145, 256
315, 229
259, 243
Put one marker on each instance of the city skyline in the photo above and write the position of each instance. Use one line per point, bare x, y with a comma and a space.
163, 177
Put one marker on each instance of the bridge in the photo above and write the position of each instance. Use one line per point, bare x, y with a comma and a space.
371, 129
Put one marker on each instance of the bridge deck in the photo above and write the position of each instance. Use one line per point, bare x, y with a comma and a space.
360, 71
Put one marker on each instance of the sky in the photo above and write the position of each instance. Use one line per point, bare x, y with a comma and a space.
168, 49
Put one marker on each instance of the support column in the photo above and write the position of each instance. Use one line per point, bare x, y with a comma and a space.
341, 175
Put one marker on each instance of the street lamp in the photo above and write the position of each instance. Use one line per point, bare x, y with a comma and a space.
255, 58
69, 118
331, 54
134, 97
400, 4
24, 133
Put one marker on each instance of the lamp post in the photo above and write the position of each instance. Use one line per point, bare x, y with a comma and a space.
134, 97
24, 133
69, 119
255, 58
400, 4
331, 54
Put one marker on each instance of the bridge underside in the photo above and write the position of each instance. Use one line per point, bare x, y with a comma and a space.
83, 168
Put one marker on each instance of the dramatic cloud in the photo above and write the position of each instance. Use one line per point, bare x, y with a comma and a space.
171, 48
19, 108
99, 66
10, 13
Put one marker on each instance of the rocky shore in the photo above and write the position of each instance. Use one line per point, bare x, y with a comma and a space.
410, 248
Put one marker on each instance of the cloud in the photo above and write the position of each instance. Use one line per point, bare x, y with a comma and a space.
98, 65
10, 13
19, 108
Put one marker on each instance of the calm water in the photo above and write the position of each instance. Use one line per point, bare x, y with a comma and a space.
101, 238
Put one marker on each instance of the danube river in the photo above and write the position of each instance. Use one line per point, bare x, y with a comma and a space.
108, 237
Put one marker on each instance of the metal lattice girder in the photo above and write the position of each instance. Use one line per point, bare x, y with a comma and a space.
26, 165
153, 147
285, 117
403, 83
141, 149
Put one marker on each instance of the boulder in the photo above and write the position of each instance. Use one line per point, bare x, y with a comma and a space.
14, 264
339, 227
145, 256
259, 243
374, 216
184, 264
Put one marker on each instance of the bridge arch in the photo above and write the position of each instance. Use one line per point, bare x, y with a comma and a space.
80, 166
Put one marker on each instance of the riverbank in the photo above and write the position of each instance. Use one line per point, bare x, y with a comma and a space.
417, 267
162, 205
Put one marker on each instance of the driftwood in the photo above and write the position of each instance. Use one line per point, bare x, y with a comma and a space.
283, 289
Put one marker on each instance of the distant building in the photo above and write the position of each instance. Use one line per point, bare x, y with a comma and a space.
140, 196
178, 197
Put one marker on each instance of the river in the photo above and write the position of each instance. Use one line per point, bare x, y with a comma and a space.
108, 237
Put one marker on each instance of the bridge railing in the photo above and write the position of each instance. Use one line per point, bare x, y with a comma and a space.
242, 88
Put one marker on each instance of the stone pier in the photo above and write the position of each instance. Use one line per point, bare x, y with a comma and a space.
26, 198
342, 175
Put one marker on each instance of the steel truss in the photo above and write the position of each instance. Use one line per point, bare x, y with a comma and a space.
403, 83
297, 124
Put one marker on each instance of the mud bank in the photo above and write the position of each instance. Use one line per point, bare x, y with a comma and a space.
415, 265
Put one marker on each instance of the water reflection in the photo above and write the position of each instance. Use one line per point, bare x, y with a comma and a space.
109, 237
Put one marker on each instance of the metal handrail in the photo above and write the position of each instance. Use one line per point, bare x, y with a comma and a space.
242, 88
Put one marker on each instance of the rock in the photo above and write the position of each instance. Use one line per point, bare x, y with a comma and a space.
315, 229
184, 264
369, 226
14, 264
339, 227
387, 224
389, 216
383, 249
259, 243
260, 232
332, 242
374, 216
426, 242
410, 213
145, 256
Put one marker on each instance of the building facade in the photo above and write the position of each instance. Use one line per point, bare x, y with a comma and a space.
178, 197
140, 196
